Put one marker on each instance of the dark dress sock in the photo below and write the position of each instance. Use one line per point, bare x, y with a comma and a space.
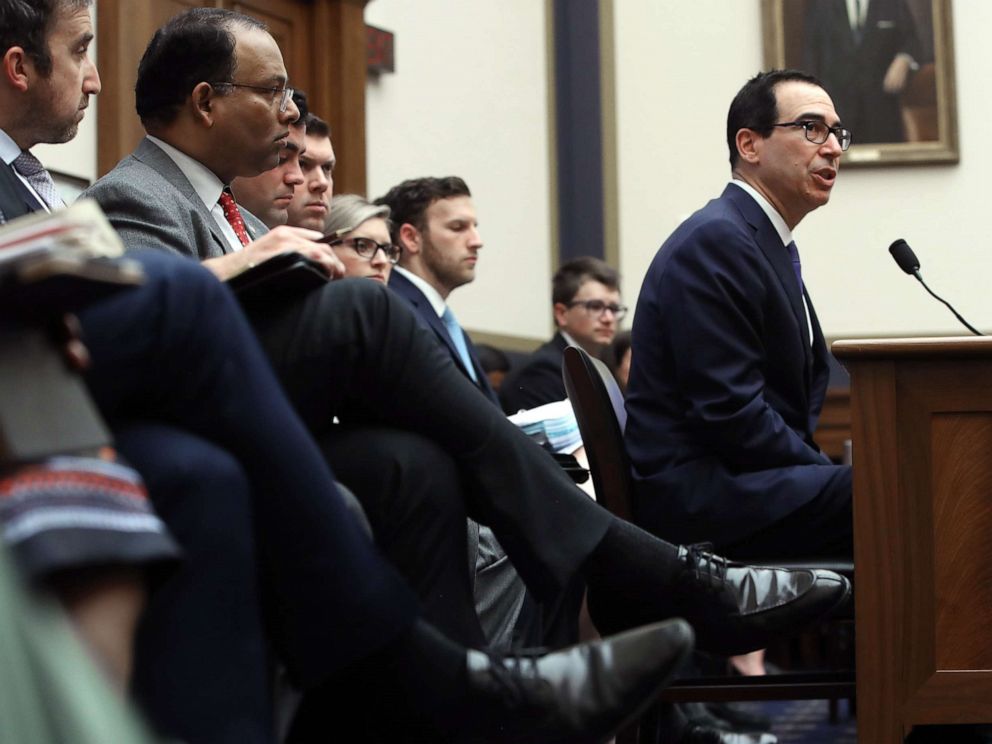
630, 577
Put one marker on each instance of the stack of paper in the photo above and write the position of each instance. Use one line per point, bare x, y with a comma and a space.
553, 424
81, 231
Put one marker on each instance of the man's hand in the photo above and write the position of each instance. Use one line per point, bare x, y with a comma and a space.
279, 240
897, 74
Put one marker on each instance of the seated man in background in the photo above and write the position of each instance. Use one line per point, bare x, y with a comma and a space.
353, 350
585, 296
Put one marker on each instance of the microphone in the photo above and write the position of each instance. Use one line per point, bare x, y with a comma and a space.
905, 257
909, 263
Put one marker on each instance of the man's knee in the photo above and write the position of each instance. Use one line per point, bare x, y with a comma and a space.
198, 489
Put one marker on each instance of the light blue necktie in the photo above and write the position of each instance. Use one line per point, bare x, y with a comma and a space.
458, 336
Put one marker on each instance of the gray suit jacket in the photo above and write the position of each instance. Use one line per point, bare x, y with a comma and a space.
152, 204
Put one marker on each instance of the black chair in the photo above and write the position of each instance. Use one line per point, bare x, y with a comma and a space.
599, 410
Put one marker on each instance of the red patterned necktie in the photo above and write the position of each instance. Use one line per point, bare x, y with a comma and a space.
233, 215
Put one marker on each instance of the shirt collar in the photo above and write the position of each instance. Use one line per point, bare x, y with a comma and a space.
8, 148
432, 295
568, 339
777, 221
206, 185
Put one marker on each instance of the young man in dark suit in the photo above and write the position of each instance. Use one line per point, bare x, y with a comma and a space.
585, 296
731, 365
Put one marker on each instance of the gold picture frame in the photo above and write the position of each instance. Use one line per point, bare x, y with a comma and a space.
909, 124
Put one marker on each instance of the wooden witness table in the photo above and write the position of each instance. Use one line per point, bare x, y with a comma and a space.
922, 446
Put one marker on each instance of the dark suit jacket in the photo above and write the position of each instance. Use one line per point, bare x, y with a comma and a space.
853, 70
428, 318
538, 381
15, 199
152, 204
725, 388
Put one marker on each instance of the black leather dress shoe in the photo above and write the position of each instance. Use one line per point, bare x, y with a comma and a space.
735, 608
696, 734
581, 694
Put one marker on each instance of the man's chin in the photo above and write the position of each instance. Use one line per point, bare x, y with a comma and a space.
310, 223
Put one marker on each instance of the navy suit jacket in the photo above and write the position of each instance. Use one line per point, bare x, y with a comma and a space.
725, 385
15, 198
428, 318
538, 381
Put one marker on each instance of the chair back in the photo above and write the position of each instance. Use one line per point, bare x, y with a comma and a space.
598, 405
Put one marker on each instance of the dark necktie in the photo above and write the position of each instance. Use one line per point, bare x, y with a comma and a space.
40, 179
796, 266
233, 215
859, 30
458, 336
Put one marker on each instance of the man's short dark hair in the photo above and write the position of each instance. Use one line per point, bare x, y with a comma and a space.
492, 359
571, 276
27, 23
408, 202
316, 126
196, 46
300, 101
754, 106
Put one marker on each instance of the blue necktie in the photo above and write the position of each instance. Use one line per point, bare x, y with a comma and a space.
458, 336
796, 266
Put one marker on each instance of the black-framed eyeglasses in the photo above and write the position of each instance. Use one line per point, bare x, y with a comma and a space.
817, 132
598, 307
367, 248
286, 93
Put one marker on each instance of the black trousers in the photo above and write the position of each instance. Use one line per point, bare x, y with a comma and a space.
411, 492
355, 350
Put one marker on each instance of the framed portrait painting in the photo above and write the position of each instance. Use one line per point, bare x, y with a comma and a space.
887, 64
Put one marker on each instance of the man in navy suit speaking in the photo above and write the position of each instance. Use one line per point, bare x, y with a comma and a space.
731, 365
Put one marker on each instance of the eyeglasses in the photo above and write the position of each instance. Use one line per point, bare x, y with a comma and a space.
286, 93
598, 307
367, 248
817, 132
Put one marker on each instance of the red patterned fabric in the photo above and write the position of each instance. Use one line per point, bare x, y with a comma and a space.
233, 216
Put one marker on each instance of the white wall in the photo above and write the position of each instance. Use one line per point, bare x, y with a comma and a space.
679, 65
470, 98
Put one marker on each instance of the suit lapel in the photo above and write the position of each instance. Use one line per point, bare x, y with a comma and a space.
154, 157
424, 310
15, 199
404, 287
771, 246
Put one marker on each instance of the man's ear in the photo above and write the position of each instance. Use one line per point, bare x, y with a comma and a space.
18, 68
201, 103
748, 145
560, 310
410, 239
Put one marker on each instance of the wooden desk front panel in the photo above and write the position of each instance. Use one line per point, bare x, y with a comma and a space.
923, 541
